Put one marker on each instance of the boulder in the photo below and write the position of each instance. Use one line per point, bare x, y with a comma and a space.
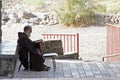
52, 46
35, 21
27, 15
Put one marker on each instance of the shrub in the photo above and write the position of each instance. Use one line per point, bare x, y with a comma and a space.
77, 12
35, 3
113, 6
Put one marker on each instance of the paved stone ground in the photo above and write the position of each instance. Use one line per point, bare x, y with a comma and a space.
74, 69
71, 70
63, 79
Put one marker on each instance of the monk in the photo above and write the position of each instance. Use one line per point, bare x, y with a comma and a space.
29, 52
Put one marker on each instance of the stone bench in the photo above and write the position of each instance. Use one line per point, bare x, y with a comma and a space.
7, 59
55, 46
52, 46
68, 47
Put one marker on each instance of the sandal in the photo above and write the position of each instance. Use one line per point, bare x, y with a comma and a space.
45, 68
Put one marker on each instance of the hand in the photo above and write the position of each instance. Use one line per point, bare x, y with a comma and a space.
38, 52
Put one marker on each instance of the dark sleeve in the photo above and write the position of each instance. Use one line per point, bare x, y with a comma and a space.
37, 45
30, 46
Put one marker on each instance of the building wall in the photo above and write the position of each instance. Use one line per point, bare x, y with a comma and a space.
0, 20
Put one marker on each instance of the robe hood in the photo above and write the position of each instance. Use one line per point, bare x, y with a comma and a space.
21, 35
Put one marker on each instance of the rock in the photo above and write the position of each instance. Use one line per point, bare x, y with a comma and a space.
35, 21
24, 21
18, 20
20, 14
39, 15
112, 21
5, 16
27, 15
12, 15
54, 46
106, 19
42, 23
116, 21
119, 19
45, 22
4, 22
51, 22
45, 17
10, 22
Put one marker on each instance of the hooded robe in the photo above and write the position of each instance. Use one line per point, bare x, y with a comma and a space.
26, 46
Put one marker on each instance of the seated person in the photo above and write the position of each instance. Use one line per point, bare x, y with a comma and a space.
26, 46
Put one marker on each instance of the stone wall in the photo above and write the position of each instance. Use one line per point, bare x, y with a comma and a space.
0, 21
7, 65
55, 46
7, 58
102, 19
14, 11
40, 18
52, 46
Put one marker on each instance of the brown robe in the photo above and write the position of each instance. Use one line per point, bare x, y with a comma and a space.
27, 46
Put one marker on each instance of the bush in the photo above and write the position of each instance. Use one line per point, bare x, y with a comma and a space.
35, 3
77, 12
113, 6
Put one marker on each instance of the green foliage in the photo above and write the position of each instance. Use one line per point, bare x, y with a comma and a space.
113, 6
78, 12
35, 3
109, 6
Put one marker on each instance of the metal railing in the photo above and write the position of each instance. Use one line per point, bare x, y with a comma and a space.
107, 56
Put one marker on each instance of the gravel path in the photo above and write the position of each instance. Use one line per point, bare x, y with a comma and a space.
92, 39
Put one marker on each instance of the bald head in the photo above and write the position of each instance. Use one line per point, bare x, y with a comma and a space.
27, 30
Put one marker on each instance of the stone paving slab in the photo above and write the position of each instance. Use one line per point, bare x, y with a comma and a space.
63, 79
76, 69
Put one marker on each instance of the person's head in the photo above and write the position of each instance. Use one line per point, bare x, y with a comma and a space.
27, 30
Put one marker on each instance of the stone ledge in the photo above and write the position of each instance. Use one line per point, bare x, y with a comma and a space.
7, 63
52, 46
7, 58
55, 46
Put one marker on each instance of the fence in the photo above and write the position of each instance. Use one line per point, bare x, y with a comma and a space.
113, 43
70, 42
